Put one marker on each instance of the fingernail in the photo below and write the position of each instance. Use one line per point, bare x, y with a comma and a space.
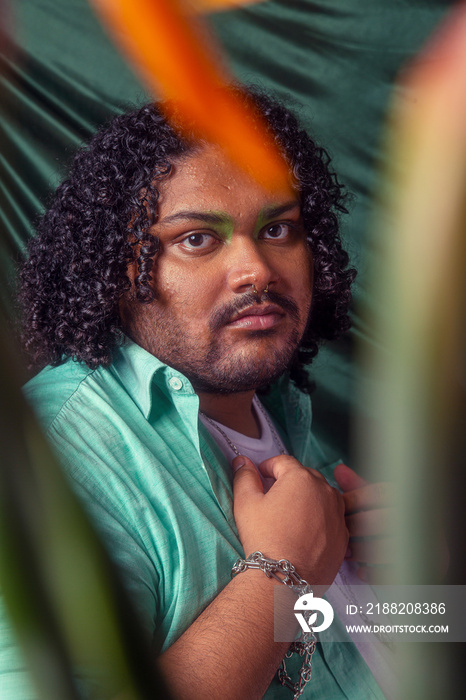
348, 553
238, 462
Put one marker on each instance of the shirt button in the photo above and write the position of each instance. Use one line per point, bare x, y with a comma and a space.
175, 383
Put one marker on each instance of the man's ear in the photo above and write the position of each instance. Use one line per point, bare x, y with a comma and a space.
132, 266
128, 299
132, 270
125, 305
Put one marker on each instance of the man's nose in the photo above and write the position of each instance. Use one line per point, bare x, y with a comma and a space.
250, 266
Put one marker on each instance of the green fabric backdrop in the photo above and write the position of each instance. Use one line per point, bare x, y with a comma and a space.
334, 60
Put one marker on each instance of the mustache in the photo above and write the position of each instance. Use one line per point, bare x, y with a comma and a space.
223, 315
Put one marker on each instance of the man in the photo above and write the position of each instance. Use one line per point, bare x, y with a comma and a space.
164, 289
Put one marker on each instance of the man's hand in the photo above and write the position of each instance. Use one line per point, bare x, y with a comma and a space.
228, 651
367, 515
300, 518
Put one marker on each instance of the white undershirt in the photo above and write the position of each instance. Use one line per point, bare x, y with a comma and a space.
257, 449
374, 652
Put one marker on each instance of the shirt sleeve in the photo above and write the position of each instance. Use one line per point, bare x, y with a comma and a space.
118, 509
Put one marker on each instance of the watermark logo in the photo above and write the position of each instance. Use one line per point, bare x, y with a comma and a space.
391, 613
308, 603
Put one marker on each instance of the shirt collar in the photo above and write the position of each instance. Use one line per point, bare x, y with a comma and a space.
139, 370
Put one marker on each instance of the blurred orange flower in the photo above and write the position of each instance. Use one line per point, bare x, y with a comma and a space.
178, 60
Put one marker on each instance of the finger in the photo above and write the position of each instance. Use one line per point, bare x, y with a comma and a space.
246, 480
276, 467
372, 552
369, 523
368, 497
347, 479
239, 462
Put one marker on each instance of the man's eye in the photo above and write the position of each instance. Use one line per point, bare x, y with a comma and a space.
276, 232
198, 241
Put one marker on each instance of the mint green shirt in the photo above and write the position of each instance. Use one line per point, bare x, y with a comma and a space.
159, 491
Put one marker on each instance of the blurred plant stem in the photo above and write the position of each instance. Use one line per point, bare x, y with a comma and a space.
421, 219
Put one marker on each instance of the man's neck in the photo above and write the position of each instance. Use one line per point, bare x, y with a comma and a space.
233, 410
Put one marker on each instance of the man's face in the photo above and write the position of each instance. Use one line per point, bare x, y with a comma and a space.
223, 237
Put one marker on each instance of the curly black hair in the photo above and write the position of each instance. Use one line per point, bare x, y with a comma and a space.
100, 220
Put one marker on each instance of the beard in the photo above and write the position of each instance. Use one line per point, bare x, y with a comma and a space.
220, 367
225, 373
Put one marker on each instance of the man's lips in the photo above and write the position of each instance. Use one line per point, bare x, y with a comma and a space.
257, 317
243, 310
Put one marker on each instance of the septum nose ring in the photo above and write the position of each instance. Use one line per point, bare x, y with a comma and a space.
254, 290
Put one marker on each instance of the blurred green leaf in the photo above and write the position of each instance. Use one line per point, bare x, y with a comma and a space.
69, 611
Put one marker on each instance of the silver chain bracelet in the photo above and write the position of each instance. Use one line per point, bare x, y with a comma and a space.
283, 571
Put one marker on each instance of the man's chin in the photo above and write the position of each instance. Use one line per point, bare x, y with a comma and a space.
232, 385
236, 367
234, 377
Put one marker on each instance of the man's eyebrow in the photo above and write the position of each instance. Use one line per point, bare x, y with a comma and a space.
208, 217
219, 218
275, 211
